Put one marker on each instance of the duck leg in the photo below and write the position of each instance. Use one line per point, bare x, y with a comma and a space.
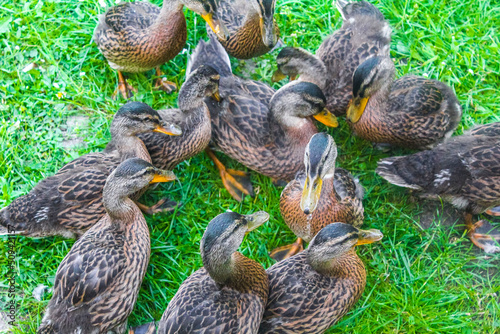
284, 252
494, 211
124, 88
236, 182
164, 85
163, 205
483, 234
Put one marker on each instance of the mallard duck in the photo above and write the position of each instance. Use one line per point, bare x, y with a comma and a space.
314, 289
139, 36
213, 53
70, 202
318, 196
251, 28
364, 33
269, 138
229, 293
97, 283
411, 112
464, 171
193, 118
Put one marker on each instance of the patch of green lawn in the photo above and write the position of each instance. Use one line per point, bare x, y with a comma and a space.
419, 280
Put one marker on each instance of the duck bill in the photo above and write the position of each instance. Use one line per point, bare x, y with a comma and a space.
356, 109
369, 237
255, 220
267, 30
311, 194
216, 96
278, 75
163, 176
217, 26
170, 129
327, 118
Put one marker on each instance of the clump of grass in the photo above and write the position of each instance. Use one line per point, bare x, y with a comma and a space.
419, 280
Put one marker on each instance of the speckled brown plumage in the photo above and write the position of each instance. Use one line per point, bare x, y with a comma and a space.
339, 202
364, 33
312, 290
229, 294
212, 53
192, 117
138, 36
243, 24
97, 283
412, 112
70, 202
246, 129
201, 306
464, 170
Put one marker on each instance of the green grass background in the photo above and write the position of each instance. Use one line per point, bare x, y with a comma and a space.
419, 280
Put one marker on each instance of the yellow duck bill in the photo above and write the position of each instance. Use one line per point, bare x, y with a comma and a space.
311, 194
356, 109
217, 26
327, 118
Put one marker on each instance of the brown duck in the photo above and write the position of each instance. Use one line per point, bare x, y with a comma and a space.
314, 289
364, 33
251, 28
139, 36
97, 283
319, 195
192, 117
269, 138
70, 202
464, 171
229, 294
411, 112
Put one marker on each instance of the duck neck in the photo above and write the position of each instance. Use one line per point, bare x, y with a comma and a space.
314, 71
169, 7
127, 145
297, 129
191, 96
340, 266
118, 206
237, 272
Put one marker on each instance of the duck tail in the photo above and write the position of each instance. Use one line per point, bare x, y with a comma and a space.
358, 8
210, 53
148, 328
403, 171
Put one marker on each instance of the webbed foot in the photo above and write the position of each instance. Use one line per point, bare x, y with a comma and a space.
163, 84
284, 252
494, 211
163, 205
236, 182
483, 235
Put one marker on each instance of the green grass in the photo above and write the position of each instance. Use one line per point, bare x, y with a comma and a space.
419, 279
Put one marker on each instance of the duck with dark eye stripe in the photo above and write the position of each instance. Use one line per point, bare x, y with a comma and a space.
314, 289
97, 283
70, 202
228, 295
319, 195
252, 30
192, 117
411, 112
266, 131
139, 36
364, 34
